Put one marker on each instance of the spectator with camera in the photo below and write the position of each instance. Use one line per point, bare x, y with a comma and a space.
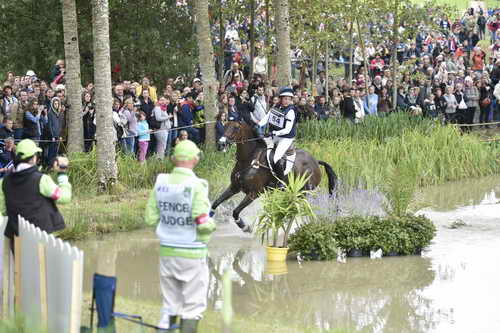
32, 195
6, 131
31, 120
89, 121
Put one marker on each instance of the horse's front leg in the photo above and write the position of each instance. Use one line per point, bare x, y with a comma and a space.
228, 193
249, 198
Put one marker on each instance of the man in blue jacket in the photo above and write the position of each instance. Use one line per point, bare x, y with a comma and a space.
186, 117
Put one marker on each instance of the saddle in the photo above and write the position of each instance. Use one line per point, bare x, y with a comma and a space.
288, 158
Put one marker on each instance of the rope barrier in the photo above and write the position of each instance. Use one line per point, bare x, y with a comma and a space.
490, 140
478, 124
130, 136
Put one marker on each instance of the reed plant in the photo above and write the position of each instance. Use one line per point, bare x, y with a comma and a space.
436, 157
379, 129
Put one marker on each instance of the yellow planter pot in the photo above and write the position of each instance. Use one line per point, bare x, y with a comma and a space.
276, 253
276, 267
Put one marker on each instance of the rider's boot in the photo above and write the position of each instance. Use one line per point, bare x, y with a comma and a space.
279, 168
174, 322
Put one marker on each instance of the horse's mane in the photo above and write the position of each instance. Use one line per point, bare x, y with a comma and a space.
250, 134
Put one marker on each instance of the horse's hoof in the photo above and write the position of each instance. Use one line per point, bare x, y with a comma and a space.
247, 229
243, 226
212, 213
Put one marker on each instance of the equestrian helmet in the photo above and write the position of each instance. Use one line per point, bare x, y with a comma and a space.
286, 92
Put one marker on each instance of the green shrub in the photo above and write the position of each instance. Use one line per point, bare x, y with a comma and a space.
353, 232
314, 241
404, 235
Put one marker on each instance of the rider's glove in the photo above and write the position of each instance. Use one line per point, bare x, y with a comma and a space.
268, 135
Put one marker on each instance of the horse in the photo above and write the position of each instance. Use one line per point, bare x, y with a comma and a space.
252, 175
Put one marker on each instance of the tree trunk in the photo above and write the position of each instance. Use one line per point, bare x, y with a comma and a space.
206, 59
350, 53
268, 40
252, 35
283, 42
395, 57
107, 170
73, 76
314, 75
327, 58
222, 43
363, 50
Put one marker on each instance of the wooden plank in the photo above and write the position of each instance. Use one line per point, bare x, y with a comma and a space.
76, 296
43, 286
5, 278
17, 273
10, 282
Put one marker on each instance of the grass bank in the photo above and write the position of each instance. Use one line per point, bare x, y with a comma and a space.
362, 154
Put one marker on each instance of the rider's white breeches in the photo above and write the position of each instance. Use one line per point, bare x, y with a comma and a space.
282, 145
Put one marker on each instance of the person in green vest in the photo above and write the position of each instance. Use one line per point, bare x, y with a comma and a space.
31, 194
180, 207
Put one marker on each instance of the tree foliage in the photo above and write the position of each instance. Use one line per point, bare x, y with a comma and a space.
147, 37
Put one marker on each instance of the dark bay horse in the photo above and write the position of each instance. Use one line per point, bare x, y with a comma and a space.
251, 174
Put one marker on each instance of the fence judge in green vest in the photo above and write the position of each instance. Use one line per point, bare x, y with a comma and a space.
31, 194
180, 207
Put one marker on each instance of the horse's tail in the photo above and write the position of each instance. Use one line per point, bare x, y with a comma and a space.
332, 177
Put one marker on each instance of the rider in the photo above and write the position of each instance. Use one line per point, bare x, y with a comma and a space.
282, 129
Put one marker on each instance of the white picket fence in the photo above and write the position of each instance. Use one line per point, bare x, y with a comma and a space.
48, 279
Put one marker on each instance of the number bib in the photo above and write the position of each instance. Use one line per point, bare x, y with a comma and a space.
277, 119
174, 201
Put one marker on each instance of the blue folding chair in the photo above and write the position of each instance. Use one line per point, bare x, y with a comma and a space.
103, 301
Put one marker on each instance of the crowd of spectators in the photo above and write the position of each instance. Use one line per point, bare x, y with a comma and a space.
445, 73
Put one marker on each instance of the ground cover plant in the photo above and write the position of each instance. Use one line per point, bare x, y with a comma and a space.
395, 235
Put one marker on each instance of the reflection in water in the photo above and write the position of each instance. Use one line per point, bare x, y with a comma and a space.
369, 295
453, 288
462, 193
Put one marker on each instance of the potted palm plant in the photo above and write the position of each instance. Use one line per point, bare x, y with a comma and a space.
281, 208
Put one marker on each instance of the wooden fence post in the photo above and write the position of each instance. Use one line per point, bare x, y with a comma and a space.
17, 273
76, 296
43, 286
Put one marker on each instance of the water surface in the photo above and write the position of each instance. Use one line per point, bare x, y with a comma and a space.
452, 287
